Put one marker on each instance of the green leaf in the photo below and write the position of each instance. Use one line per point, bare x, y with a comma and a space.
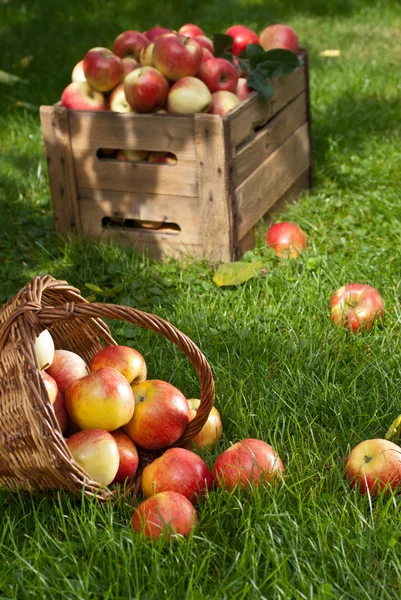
236, 273
221, 42
93, 287
274, 63
258, 82
9, 79
394, 431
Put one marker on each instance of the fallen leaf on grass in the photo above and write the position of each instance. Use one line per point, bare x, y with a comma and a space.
26, 60
9, 79
236, 272
331, 53
394, 431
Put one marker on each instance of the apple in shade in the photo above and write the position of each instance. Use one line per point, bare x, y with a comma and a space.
78, 72
103, 69
118, 101
130, 64
61, 412
242, 90
206, 55
286, 239
50, 385
374, 465
191, 30
279, 36
211, 431
161, 415
146, 89
79, 95
167, 514
222, 102
205, 42
66, 368
176, 56
101, 400
132, 155
130, 43
356, 305
154, 32
129, 459
96, 451
44, 347
178, 470
247, 463
167, 158
218, 74
242, 36
146, 56
189, 95
128, 361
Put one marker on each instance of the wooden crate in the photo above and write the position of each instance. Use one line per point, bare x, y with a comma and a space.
230, 171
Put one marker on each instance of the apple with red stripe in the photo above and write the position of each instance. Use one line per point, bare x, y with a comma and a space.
356, 305
374, 465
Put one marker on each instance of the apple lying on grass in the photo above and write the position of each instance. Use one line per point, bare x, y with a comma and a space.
279, 36
128, 361
211, 431
66, 368
128, 457
356, 305
374, 465
44, 347
96, 451
103, 69
286, 239
166, 514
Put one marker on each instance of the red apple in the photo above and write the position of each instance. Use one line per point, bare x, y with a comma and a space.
177, 470
61, 412
146, 56
130, 64
242, 89
79, 95
78, 72
279, 36
177, 56
50, 385
206, 55
238, 68
190, 30
166, 514
218, 74
129, 459
103, 69
66, 368
128, 361
242, 36
146, 89
130, 43
246, 463
96, 451
189, 95
118, 101
154, 32
167, 158
44, 347
101, 400
286, 239
356, 305
132, 155
374, 465
205, 42
161, 415
212, 430
223, 102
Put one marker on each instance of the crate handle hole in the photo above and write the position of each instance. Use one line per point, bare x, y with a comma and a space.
134, 155
123, 223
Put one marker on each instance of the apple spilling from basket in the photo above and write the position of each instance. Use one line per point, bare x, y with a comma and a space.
161, 70
108, 410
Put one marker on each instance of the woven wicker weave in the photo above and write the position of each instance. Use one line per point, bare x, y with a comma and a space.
33, 452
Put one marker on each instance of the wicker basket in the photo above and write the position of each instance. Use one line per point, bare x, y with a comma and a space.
33, 452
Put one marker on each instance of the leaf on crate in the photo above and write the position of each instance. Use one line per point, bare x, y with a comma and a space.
93, 287
394, 431
221, 42
331, 53
236, 272
274, 63
257, 81
9, 79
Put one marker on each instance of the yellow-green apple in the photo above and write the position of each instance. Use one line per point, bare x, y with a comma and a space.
146, 56
178, 470
118, 101
130, 43
44, 347
279, 36
356, 305
374, 465
190, 30
66, 368
61, 412
128, 361
132, 155
218, 74
242, 90
96, 451
167, 158
129, 459
101, 400
78, 72
167, 514
161, 414
247, 463
189, 95
50, 385
103, 69
223, 102
242, 36
130, 64
79, 95
286, 239
176, 56
154, 32
206, 55
212, 430
146, 89
205, 42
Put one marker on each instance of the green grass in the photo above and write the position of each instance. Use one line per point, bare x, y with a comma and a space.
282, 372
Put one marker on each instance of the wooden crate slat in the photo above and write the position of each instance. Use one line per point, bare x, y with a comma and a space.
271, 180
269, 138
